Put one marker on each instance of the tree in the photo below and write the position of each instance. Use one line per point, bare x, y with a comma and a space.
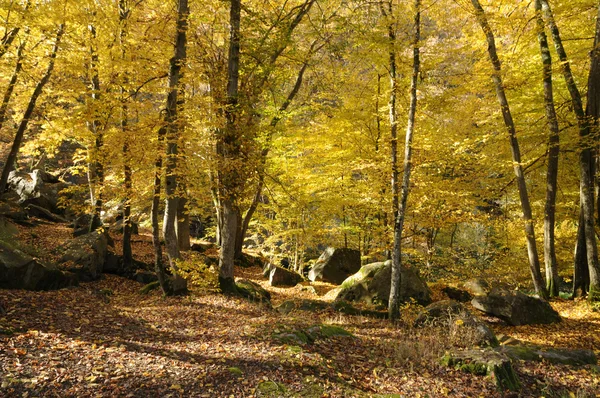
534, 265
14, 150
586, 188
170, 133
394, 301
553, 154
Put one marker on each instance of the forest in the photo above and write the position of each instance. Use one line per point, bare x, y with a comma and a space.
299, 198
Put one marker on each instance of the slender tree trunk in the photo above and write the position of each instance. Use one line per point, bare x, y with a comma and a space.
183, 222
95, 166
245, 223
394, 300
534, 263
13, 81
127, 174
159, 266
10, 35
581, 272
174, 125
592, 113
586, 186
228, 149
16, 146
553, 154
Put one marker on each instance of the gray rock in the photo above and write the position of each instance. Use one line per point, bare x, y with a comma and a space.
477, 286
371, 284
31, 189
516, 308
335, 265
85, 255
282, 277
21, 271
561, 356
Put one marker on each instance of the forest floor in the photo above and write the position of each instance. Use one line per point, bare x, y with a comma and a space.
104, 339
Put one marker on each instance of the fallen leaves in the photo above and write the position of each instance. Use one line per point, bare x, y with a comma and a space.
72, 343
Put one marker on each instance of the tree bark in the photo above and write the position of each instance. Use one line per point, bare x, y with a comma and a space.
228, 149
127, 173
581, 272
16, 146
592, 113
13, 80
95, 166
159, 266
534, 263
394, 300
173, 127
183, 222
586, 186
553, 154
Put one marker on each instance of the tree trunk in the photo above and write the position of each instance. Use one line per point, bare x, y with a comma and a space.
127, 175
592, 113
581, 272
586, 186
173, 127
13, 81
159, 267
95, 166
183, 223
16, 146
394, 301
534, 263
553, 154
10, 35
228, 149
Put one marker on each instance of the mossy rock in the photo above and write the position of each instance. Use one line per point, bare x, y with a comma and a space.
552, 355
328, 331
253, 291
485, 362
149, 287
296, 337
270, 389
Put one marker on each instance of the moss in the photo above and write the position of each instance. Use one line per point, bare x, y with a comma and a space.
594, 294
270, 389
475, 368
235, 371
332, 331
294, 349
312, 390
149, 287
505, 377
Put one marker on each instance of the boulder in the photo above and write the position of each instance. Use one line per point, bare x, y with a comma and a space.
560, 356
477, 286
457, 294
21, 271
456, 317
85, 255
253, 291
31, 189
371, 284
279, 276
113, 263
516, 308
335, 265
145, 277
485, 362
